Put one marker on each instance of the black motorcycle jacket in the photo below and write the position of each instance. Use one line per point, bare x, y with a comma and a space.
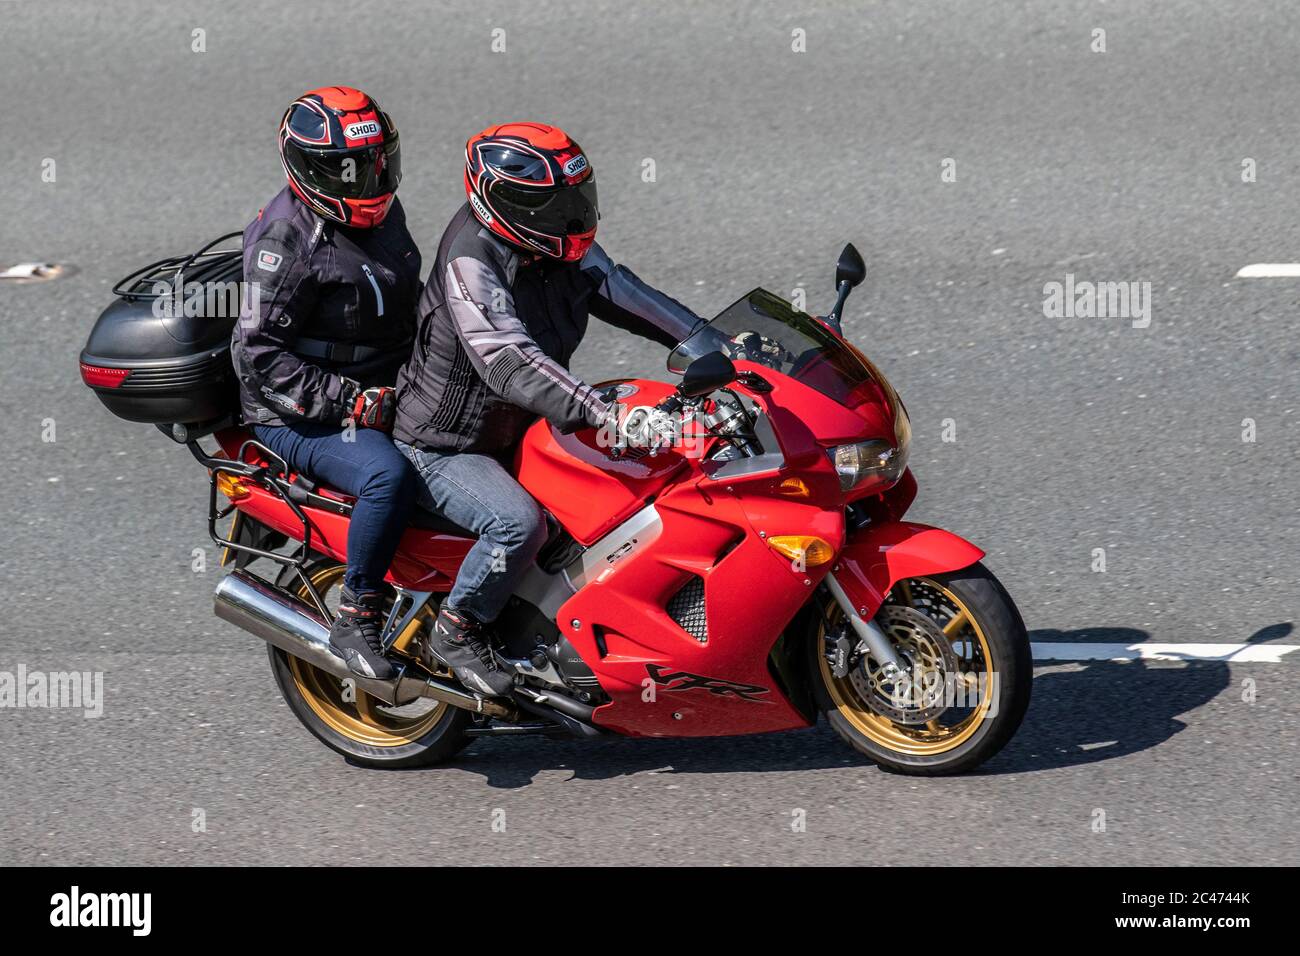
497, 329
326, 311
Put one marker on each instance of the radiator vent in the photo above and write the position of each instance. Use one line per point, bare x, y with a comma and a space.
687, 609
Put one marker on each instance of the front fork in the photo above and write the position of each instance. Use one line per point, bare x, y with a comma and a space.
869, 634
877, 556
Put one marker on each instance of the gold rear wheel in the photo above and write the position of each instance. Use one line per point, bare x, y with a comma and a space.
355, 723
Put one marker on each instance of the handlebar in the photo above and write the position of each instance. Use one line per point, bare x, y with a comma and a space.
671, 403
736, 427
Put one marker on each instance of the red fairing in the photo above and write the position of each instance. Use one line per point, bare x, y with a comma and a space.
662, 680
575, 479
879, 556
804, 415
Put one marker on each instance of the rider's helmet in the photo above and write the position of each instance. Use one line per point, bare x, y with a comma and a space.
341, 154
532, 186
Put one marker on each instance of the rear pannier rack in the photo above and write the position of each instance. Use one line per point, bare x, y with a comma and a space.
206, 264
276, 481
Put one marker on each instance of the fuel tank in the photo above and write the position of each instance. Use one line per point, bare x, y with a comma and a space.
577, 480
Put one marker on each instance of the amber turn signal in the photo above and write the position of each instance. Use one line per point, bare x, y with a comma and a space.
231, 486
805, 549
794, 488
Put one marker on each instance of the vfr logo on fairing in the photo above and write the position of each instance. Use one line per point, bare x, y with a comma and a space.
682, 680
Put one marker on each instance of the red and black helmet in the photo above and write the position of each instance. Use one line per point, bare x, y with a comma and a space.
532, 186
341, 154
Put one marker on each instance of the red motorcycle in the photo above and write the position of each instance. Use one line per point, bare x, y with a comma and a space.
754, 575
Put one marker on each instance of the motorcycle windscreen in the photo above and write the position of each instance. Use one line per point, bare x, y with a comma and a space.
764, 328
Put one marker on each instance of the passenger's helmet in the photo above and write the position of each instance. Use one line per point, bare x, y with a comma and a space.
341, 154
532, 186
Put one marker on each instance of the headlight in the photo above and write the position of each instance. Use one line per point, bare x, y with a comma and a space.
877, 463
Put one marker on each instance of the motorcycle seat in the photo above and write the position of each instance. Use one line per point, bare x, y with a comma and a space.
421, 518
426, 520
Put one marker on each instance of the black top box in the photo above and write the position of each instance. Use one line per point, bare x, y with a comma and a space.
161, 352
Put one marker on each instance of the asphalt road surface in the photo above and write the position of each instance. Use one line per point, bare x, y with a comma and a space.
1072, 433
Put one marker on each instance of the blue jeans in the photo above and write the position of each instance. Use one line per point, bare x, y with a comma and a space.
477, 493
383, 481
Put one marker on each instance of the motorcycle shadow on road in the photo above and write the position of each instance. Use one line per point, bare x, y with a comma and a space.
510, 764
1098, 710
1081, 714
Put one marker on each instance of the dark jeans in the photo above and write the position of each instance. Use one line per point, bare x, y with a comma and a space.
477, 493
372, 469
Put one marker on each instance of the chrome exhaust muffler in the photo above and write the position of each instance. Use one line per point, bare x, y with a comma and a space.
264, 610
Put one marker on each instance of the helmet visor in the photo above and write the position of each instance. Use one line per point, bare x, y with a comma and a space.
363, 173
515, 163
566, 211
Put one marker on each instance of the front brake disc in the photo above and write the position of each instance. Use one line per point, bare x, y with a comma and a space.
921, 693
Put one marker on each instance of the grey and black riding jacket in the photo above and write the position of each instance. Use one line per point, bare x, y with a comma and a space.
327, 310
497, 329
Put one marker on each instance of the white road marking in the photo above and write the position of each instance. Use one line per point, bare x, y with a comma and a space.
1234, 653
1270, 270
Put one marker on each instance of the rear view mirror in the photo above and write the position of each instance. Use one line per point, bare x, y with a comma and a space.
706, 374
849, 271
850, 268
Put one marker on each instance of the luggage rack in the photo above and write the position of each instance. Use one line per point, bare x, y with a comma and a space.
202, 265
287, 491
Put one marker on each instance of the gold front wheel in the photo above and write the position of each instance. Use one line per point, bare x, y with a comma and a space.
965, 682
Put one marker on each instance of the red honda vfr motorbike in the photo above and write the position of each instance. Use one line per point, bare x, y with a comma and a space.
754, 575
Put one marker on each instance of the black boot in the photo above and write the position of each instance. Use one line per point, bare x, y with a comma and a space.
458, 640
355, 636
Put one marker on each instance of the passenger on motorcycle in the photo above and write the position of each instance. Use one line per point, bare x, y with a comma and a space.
516, 276
331, 281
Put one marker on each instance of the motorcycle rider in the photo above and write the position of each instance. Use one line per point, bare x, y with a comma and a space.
517, 273
331, 280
